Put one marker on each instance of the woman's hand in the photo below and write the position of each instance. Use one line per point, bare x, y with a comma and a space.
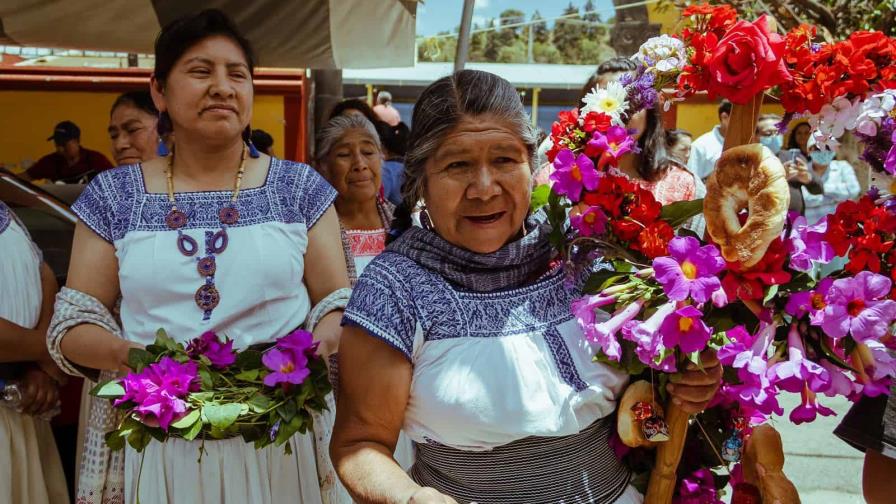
427, 495
39, 392
693, 388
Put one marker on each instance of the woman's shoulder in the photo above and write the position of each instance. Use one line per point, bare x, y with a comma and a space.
302, 191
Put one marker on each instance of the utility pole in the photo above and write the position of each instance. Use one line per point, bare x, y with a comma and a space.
463, 38
529, 57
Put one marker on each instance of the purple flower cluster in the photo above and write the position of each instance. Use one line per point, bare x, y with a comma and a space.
219, 353
639, 86
880, 150
288, 360
159, 391
807, 244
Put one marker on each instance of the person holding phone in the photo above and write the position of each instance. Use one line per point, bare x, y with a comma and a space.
795, 163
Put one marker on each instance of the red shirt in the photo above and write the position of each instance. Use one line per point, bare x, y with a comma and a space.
55, 167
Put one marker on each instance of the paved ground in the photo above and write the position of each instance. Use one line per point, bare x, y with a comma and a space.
824, 469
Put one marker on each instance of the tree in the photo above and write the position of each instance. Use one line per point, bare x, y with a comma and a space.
546, 53
590, 15
568, 34
492, 44
515, 53
542, 34
507, 36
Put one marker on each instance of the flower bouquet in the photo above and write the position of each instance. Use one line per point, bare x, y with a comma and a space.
658, 294
207, 390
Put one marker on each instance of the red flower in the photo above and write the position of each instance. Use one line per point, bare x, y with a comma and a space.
653, 241
866, 252
597, 121
750, 283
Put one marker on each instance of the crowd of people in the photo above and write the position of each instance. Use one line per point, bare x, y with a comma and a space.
410, 254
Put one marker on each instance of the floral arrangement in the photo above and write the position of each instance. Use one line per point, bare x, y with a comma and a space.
658, 295
207, 390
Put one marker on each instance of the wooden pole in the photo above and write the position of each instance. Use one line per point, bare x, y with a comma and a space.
663, 478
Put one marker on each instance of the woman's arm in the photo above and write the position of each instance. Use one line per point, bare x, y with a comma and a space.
325, 272
374, 383
19, 343
93, 270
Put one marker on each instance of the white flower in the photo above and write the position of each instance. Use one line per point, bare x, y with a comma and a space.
611, 100
833, 121
663, 54
874, 109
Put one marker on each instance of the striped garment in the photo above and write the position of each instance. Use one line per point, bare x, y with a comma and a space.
528, 470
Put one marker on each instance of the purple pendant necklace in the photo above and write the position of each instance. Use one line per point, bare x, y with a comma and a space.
207, 296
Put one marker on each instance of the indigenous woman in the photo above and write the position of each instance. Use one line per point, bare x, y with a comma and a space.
460, 333
133, 126
212, 237
30, 469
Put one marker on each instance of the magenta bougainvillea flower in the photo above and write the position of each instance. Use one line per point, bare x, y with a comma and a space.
286, 367
689, 270
300, 342
807, 245
859, 307
610, 146
219, 353
798, 371
591, 222
572, 174
159, 390
685, 328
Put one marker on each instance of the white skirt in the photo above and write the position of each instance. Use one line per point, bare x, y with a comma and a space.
30, 469
231, 472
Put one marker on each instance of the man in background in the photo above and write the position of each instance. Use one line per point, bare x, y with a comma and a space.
263, 141
71, 163
384, 109
707, 149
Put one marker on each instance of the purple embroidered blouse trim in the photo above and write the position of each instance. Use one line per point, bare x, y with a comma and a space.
207, 296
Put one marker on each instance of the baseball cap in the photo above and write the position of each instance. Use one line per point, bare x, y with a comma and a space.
65, 131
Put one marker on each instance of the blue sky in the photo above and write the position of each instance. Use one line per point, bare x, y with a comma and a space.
434, 16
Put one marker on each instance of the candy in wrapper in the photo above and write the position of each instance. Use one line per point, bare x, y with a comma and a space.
642, 411
655, 429
732, 448
739, 423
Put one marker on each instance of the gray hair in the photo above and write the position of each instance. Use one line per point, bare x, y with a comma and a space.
337, 127
444, 104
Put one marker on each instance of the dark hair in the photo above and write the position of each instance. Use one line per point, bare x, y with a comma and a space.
616, 64
673, 136
725, 107
652, 145
262, 140
441, 106
355, 104
178, 36
394, 138
141, 100
791, 140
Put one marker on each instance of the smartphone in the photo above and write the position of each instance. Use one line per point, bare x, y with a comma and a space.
791, 155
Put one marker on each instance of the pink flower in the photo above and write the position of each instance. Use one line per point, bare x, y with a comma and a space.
159, 389
285, 366
610, 146
299, 342
690, 270
686, 329
572, 174
807, 244
841, 383
605, 332
859, 307
809, 408
755, 390
811, 302
698, 488
592, 222
219, 353
797, 371
646, 335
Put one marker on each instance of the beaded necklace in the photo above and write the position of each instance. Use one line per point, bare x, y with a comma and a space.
207, 296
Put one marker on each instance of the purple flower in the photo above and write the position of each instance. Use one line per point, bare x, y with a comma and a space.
584, 309
611, 146
690, 270
890, 161
841, 383
797, 371
698, 488
605, 332
876, 370
740, 341
219, 353
809, 408
591, 222
807, 244
299, 342
285, 366
811, 302
685, 328
159, 389
646, 335
858, 307
755, 389
572, 174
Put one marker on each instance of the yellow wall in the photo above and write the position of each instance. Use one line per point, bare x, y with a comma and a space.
698, 118
27, 118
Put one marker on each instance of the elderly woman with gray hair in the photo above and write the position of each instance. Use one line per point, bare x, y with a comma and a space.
460, 333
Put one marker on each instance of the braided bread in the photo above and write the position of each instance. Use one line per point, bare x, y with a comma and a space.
751, 177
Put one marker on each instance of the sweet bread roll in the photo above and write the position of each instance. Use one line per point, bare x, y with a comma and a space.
627, 425
751, 177
764, 466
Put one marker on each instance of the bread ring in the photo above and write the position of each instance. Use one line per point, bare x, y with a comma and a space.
751, 177
628, 427
763, 466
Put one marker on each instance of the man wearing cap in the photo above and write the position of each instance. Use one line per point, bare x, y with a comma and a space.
71, 163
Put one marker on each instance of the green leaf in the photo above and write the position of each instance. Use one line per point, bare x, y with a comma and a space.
602, 279
222, 416
259, 403
288, 411
772, 292
111, 389
114, 440
677, 213
623, 266
248, 359
194, 430
187, 420
139, 438
540, 197
248, 375
207, 381
139, 358
165, 341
